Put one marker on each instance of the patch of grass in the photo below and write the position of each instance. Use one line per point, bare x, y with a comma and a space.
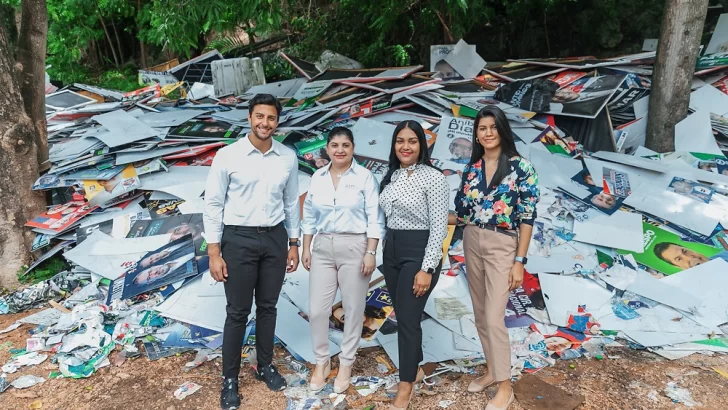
44, 271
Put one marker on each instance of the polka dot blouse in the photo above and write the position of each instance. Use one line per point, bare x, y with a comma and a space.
419, 202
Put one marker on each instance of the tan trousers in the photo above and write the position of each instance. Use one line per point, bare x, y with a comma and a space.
488, 260
336, 261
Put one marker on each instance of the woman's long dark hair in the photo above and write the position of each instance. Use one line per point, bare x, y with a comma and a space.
507, 142
394, 164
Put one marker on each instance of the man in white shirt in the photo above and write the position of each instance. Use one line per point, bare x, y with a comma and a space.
251, 208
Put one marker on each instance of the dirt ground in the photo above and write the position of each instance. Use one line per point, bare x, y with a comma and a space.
622, 383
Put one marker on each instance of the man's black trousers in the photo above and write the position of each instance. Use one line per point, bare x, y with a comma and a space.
256, 264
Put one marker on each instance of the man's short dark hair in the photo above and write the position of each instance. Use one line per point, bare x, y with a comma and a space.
662, 247
265, 99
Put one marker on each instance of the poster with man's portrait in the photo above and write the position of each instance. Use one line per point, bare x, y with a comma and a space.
170, 263
177, 226
666, 252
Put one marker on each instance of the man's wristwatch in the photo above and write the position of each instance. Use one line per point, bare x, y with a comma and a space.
373, 253
294, 243
521, 259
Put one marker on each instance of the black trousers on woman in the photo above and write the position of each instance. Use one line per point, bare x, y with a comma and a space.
403, 255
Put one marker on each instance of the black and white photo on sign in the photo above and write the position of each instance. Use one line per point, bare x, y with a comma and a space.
438, 64
454, 140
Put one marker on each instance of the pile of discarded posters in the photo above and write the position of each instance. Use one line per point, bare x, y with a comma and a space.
629, 246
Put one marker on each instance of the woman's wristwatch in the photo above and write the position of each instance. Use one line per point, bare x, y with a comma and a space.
521, 259
373, 253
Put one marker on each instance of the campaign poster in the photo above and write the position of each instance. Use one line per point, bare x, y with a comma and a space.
453, 174
667, 253
161, 208
722, 166
603, 201
438, 54
170, 263
377, 309
585, 97
178, 226
312, 153
553, 143
100, 192
61, 217
565, 78
615, 183
50, 181
584, 179
454, 140
206, 129
528, 295
691, 189
377, 167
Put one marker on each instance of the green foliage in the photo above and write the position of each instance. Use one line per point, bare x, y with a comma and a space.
276, 68
44, 271
72, 26
377, 33
386, 33
124, 80
181, 29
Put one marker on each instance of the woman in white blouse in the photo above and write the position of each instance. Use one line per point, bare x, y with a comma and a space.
342, 210
414, 197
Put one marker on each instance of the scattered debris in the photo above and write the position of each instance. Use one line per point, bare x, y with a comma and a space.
11, 327
29, 380
4, 384
128, 175
24, 359
680, 395
186, 389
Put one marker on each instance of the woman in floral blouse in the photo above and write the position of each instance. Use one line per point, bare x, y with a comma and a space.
497, 204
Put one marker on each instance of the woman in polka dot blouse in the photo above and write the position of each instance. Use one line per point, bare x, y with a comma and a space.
414, 199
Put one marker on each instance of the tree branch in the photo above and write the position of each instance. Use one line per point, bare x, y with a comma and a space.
108, 38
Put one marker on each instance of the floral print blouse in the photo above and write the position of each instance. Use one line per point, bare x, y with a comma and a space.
507, 205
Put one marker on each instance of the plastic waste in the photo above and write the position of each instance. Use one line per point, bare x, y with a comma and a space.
29, 380
185, 389
680, 395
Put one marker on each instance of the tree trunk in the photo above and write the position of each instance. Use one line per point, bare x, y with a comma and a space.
677, 51
118, 43
11, 21
31, 54
108, 38
18, 169
141, 42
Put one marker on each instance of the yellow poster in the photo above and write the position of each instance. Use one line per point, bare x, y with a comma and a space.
101, 191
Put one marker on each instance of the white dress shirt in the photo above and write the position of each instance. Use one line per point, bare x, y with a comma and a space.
246, 187
351, 208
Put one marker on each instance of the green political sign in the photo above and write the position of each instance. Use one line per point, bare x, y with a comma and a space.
667, 253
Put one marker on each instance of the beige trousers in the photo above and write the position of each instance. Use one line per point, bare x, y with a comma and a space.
336, 261
488, 260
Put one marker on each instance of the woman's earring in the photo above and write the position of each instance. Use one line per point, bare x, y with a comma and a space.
477, 140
